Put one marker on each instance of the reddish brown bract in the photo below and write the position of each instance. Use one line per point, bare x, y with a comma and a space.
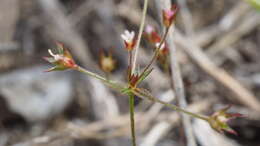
169, 15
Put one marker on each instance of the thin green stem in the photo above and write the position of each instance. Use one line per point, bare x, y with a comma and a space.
132, 119
157, 50
131, 101
132, 70
141, 28
130, 63
143, 94
104, 80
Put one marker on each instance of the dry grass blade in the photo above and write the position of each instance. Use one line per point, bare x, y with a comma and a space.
177, 77
243, 95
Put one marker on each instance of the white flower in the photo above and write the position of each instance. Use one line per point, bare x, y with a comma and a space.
128, 37
55, 56
162, 46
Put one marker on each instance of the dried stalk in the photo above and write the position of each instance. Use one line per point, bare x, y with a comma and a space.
177, 77
141, 29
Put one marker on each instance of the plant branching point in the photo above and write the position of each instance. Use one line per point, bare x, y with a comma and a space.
63, 60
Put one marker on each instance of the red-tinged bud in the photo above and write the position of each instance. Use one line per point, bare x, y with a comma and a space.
132, 77
152, 34
169, 15
219, 120
62, 61
133, 80
129, 39
107, 62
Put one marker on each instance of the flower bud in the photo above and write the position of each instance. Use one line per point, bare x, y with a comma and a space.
107, 62
219, 120
129, 39
133, 79
169, 15
152, 34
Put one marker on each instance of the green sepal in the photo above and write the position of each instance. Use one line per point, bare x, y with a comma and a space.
56, 68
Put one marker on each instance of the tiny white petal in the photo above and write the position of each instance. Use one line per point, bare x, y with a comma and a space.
55, 56
132, 35
128, 36
123, 36
158, 44
50, 52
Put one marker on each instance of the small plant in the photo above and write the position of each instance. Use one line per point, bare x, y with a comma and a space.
63, 60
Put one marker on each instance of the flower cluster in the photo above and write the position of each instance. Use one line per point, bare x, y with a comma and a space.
62, 61
129, 39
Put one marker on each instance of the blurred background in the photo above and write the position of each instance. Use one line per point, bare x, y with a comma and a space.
218, 43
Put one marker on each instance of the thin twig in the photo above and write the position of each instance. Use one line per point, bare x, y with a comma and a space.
130, 62
157, 50
186, 17
110, 83
131, 103
144, 95
141, 28
176, 73
179, 90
